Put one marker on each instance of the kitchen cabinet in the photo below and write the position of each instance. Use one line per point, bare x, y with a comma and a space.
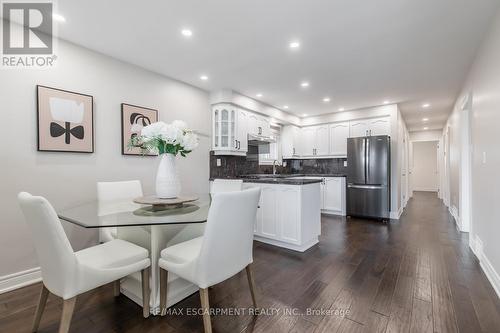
334, 195
288, 215
370, 127
315, 141
258, 125
224, 118
242, 131
339, 133
290, 140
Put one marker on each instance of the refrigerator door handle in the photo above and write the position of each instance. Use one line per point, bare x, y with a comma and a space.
365, 142
368, 160
366, 187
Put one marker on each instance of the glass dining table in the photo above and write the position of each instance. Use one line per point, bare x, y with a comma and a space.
152, 229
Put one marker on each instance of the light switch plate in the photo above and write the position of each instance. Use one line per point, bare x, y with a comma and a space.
484, 157
219, 162
284, 164
345, 163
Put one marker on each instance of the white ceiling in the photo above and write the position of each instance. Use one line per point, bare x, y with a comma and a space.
357, 52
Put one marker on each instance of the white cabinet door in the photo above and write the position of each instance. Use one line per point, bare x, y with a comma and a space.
308, 141
333, 194
287, 142
242, 129
339, 133
358, 128
380, 126
253, 123
289, 214
322, 141
268, 221
265, 126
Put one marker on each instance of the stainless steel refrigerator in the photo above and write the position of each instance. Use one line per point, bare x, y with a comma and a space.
368, 177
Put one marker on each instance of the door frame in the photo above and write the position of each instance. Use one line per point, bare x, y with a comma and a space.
465, 184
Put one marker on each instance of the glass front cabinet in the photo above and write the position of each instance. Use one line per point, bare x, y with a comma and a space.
227, 139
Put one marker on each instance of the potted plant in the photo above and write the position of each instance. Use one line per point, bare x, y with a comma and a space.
166, 140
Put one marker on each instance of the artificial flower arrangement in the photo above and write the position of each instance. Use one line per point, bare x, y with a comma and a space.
162, 138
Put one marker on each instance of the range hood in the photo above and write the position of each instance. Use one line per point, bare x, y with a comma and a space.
260, 140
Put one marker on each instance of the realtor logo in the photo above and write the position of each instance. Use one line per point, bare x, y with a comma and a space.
27, 35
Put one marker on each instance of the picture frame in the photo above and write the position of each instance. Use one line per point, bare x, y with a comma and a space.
65, 120
133, 119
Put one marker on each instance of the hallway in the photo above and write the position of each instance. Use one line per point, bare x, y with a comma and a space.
412, 275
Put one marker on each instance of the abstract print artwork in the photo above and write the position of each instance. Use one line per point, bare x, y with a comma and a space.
65, 121
134, 118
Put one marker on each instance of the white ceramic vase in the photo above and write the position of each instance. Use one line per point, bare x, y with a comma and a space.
167, 180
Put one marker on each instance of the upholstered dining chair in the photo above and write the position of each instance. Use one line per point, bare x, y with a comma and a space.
109, 192
226, 185
224, 250
68, 274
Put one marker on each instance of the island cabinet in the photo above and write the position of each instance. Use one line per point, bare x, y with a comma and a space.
288, 216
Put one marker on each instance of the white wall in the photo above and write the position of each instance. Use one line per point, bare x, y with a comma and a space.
67, 179
484, 83
424, 176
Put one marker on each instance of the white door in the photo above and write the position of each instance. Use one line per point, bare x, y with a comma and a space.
268, 212
424, 175
358, 128
308, 141
339, 133
288, 214
242, 137
380, 126
333, 194
322, 140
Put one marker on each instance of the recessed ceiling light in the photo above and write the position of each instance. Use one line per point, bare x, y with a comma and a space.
425, 119
426, 105
304, 84
341, 109
294, 44
259, 95
186, 32
304, 115
285, 106
203, 77
426, 128
386, 102
58, 18
326, 99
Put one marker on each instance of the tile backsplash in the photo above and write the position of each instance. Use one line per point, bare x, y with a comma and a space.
234, 166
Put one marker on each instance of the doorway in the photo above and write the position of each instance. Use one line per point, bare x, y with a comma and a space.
425, 176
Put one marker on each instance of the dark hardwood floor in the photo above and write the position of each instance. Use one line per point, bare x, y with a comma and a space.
412, 275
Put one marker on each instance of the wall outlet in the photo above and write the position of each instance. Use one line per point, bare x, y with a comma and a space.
219, 163
345, 163
284, 164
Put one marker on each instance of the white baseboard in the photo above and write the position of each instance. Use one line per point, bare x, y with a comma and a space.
425, 189
396, 215
20, 279
476, 246
454, 212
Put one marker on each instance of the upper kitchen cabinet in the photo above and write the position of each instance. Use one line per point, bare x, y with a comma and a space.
370, 127
258, 125
290, 140
315, 141
339, 133
229, 131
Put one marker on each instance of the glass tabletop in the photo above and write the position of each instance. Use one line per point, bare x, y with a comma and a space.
126, 213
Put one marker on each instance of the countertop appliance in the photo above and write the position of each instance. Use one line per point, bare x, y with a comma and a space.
368, 177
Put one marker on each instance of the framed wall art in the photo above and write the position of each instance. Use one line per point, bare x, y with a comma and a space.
134, 118
65, 121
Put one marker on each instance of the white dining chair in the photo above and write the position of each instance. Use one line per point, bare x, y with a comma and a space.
66, 273
224, 250
109, 192
226, 185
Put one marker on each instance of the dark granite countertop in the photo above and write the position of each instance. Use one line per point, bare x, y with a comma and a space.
285, 179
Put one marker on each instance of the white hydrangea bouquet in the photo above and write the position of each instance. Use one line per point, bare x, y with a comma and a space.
166, 140
162, 138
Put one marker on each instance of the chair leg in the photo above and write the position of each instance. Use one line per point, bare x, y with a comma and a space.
145, 292
163, 291
67, 314
116, 288
251, 283
39, 309
205, 306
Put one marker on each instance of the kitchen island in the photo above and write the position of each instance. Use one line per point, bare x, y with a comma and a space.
289, 213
